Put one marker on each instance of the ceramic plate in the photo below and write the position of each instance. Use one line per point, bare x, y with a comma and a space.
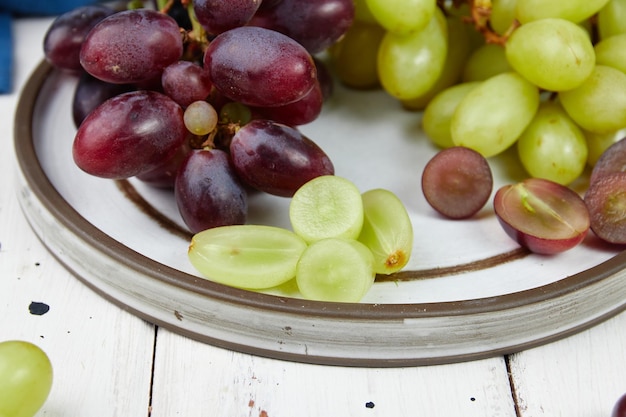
468, 292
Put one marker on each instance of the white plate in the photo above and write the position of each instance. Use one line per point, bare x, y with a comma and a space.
469, 291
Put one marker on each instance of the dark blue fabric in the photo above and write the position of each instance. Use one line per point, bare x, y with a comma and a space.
10, 8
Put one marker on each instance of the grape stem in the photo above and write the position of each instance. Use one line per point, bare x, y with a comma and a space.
480, 12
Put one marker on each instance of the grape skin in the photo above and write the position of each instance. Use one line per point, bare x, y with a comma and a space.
217, 16
606, 201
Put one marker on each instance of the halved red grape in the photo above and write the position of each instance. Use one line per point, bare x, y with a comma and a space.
129, 134
259, 67
457, 182
606, 201
276, 158
613, 159
542, 215
132, 46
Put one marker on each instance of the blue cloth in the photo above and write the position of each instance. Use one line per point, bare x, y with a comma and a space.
10, 8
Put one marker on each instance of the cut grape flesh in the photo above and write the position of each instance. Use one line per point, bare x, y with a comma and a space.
246, 256
387, 230
335, 269
327, 206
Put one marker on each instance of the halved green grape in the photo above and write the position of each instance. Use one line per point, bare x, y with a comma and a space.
491, 117
485, 62
402, 16
573, 10
335, 269
387, 230
553, 146
25, 378
599, 104
327, 206
246, 256
409, 65
554, 54
438, 113
612, 52
611, 19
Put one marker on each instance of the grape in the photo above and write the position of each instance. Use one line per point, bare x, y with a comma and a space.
327, 206
90, 92
185, 82
335, 269
387, 230
457, 182
300, 112
485, 62
259, 67
553, 146
200, 118
502, 15
619, 409
65, 36
315, 24
129, 134
403, 17
606, 201
324, 78
542, 215
208, 193
610, 52
402, 57
25, 378
276, 158
439, 111
613, 159
554, 54
164, 175
597, 143
599, 104
491, 117
611, 19
355, 56
247, 256
132, 46
217, 16
178, 12
362, 12
572, 10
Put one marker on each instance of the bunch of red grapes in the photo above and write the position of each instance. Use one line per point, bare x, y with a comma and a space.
202, 98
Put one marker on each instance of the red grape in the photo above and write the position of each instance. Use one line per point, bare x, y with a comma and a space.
541, 215
276, 158
606, 201
65, 36
164, 175
619, 410
299, 112
129, 134
217, 16
90, 92
613, 159
457, 182
208, 192
132, 46
259, 67
185, 82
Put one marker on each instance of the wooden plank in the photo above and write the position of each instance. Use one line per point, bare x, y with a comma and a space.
194, 379
582, 375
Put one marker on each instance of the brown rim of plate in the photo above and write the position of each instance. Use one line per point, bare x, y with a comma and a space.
67, 215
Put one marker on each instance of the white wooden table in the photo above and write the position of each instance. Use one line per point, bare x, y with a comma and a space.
108, 362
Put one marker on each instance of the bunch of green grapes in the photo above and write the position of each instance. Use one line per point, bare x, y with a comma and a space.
546, 77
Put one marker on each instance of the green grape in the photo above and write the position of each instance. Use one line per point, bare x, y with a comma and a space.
387, 230
246, 256
502, 15
355, 56
327, 206
611, 19
402, 17
599, 104
200, 118
409, 65
485, 62
553, 147
573, 10
25, 378
362, 12
554, 54
335, 269
236, 113
612, 52
459, 49
597, 143
491, 117
438, 113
